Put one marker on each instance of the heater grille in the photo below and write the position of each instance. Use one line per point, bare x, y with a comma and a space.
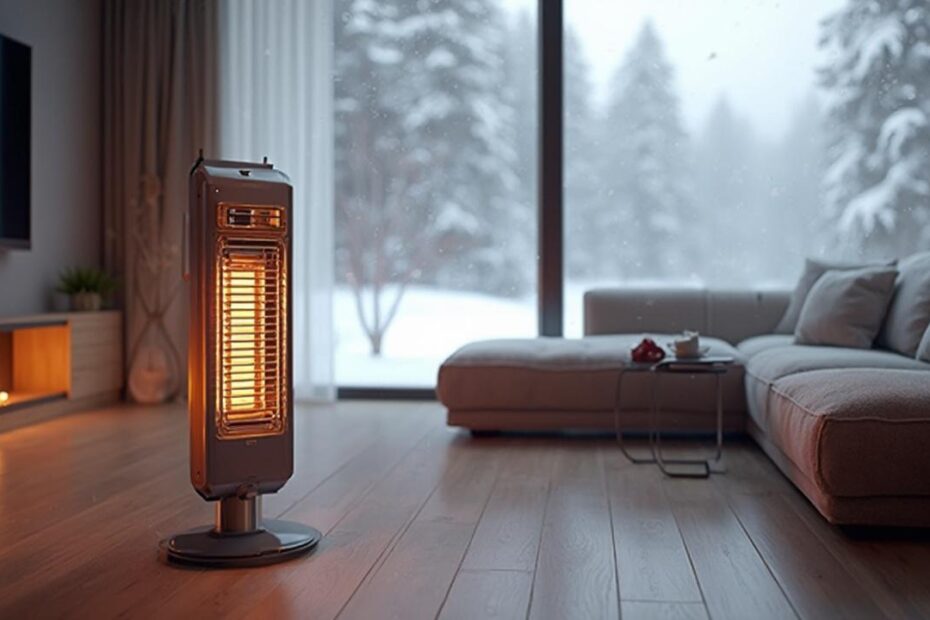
252, 337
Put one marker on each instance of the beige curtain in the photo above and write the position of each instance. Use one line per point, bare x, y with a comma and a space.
159, 109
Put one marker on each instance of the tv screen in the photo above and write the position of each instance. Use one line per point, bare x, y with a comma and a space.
15, 131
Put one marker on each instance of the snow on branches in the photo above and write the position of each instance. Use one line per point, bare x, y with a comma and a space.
877, 79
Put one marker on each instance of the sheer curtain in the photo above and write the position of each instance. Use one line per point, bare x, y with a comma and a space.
275, 99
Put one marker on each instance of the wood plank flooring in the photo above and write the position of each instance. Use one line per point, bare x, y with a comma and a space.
422, 521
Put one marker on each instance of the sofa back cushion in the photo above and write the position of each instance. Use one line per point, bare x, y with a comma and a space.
845, 308
909, 312
813, 269
923, 349
729, 315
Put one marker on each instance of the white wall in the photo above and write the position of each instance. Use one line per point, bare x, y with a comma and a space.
65, 36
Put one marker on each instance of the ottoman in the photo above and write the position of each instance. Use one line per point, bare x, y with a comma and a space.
561, 384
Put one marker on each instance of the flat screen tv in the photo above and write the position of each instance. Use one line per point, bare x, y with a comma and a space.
15, 138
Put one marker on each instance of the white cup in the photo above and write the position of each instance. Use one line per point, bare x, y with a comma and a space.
687, 345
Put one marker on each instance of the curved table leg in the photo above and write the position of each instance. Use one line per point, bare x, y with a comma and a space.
619, 433
655, 438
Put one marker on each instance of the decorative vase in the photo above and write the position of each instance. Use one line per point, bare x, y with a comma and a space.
155, 364
152, 379
86, 302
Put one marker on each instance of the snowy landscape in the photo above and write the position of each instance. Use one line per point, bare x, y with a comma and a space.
721, 157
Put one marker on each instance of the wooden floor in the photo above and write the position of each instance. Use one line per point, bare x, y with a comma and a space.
423, 521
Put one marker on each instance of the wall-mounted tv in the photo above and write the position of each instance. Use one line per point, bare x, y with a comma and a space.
15, 142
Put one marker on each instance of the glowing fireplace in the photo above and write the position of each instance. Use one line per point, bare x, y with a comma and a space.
237, 256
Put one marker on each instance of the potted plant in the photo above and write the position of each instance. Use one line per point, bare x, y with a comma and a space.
86, 287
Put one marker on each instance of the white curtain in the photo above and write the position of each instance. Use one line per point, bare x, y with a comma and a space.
275, 99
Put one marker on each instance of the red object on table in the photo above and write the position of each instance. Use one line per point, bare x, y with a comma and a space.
647, 351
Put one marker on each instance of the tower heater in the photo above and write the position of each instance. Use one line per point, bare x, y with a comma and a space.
238, 261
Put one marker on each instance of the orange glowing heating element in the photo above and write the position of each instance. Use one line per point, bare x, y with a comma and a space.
252, 337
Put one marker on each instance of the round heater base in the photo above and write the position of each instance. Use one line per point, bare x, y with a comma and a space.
276, 541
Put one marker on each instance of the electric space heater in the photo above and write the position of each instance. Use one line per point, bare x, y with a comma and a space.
238, 260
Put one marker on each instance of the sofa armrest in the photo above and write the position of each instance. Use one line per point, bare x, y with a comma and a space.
730, 315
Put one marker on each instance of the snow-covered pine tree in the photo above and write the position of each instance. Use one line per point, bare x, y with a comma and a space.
795, 196
522, 78
587, 249
646, 164
729, 197
877, 76
424, 151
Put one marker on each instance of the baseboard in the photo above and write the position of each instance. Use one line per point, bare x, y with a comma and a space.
42, 412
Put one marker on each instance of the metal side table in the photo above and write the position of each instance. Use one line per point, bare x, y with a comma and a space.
708, 365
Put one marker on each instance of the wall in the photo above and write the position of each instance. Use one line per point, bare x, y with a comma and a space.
65, 36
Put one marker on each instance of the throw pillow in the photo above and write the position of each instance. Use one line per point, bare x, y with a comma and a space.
909, 312
845, 308
813, 269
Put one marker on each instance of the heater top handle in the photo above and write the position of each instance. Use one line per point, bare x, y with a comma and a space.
222, 163
241, 170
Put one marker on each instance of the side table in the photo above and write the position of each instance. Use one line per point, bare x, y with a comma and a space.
707, 365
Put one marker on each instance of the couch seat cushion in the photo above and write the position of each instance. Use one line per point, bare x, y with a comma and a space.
855, 432
757, 344
555, 374
763, 369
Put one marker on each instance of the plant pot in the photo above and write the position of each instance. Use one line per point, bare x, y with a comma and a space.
86, 302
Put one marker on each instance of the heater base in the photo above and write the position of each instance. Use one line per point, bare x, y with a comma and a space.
276, 541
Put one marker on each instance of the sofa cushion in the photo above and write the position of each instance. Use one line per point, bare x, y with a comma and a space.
731, 315
775, 363
757, 344
845, 308
855, 432
763, 369
923, 350
813, 269
555, 374
909, 312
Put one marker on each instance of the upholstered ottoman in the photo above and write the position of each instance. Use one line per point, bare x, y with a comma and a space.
856, 441
555, 383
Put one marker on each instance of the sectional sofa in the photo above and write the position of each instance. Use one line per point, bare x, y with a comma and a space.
850, 427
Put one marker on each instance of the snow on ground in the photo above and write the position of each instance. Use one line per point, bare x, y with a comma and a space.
431, 323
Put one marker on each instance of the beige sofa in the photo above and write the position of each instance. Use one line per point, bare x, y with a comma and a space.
851, 428
555, 384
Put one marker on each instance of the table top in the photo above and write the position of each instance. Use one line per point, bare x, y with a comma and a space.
704, 364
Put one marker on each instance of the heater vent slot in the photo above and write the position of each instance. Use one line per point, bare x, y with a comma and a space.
252, 337
251, 217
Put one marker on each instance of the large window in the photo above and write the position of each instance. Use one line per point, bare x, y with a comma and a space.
706, 144
435, 193
718, 143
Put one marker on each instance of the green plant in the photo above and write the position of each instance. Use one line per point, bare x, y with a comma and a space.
85, 280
